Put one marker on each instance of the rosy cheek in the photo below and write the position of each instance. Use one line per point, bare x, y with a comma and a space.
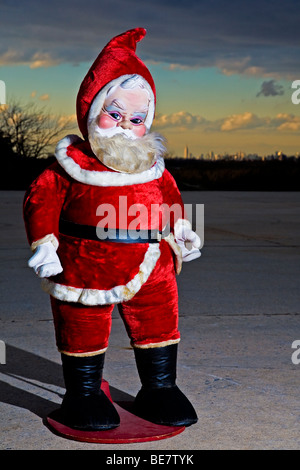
106, 122
139, 131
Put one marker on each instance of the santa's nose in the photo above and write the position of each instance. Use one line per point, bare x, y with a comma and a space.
125, 124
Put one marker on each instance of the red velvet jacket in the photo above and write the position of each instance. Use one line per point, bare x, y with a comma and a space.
75, 188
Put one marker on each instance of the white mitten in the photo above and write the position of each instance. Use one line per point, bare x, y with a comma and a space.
185, 234
45, 261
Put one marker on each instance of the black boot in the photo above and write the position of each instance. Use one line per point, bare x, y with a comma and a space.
160, 400
85, 406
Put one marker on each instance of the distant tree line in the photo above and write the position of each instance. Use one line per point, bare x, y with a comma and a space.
28, 134
228, 175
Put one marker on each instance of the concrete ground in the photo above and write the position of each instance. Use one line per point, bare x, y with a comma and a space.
239, 315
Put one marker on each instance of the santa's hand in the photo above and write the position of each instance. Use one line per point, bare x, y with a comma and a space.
45, 261
185, 234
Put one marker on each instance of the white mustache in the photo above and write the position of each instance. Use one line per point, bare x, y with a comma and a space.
116, 131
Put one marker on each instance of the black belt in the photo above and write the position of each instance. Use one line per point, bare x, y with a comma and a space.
112, 235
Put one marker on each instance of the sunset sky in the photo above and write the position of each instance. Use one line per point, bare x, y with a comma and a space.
223, 69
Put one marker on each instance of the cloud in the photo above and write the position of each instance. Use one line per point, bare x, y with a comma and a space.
245, 66
181, 67
258, 39
247, 121
34, 61
234, 66
68, 119
40, 59
282, 122
270, 88
44, 97
286, 122
290, 126
180, 119
10, 57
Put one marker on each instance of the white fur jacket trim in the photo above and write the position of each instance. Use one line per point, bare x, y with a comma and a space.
103, 178
117, 294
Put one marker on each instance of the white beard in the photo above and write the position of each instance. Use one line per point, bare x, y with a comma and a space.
123, 151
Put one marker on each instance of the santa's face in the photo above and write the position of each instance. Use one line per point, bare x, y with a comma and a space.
124, 112
118, 135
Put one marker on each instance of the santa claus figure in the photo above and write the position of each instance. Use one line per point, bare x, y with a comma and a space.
103, 229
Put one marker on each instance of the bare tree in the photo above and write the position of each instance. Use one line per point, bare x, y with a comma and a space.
31, 131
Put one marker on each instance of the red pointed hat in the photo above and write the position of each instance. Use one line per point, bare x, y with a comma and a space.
118, 58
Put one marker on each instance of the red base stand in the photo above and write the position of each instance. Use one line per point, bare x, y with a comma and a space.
131, 429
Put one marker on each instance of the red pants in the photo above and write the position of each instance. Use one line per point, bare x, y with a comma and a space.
150, 317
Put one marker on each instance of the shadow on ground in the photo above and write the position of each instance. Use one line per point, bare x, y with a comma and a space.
42, 373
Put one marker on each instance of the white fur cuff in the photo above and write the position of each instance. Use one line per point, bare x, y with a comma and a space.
85, 354
162, 344
47, 238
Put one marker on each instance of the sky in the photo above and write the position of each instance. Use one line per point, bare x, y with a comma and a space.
223, 70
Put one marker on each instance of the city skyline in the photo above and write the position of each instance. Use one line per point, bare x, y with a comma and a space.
238, 155
223, 72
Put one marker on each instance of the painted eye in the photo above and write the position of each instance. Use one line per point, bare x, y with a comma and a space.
115, 116
136, 121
